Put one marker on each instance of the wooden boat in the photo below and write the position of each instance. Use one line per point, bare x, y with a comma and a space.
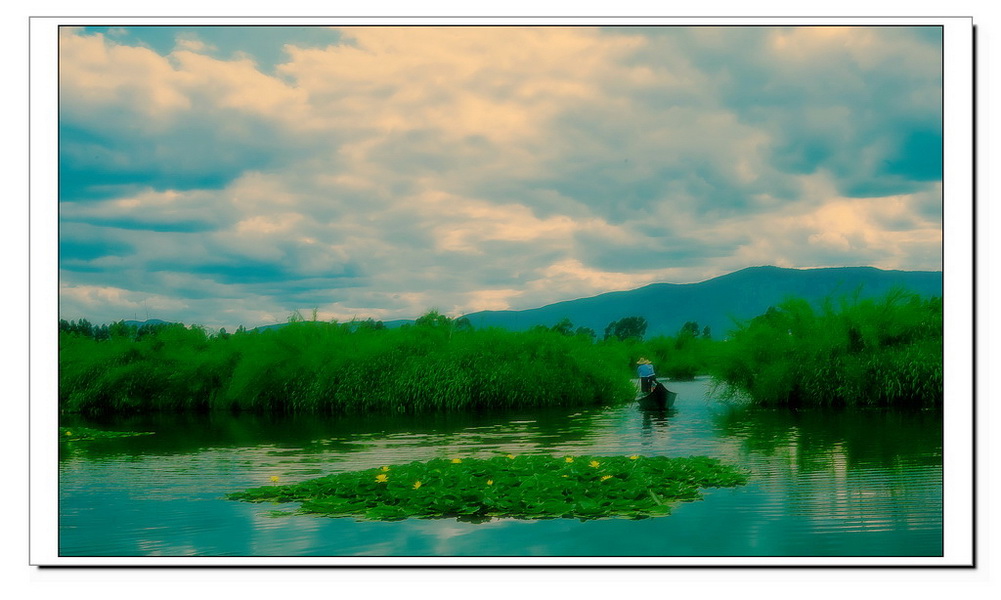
659, 398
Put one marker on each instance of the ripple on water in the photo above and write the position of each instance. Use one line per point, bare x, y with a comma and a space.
821, 484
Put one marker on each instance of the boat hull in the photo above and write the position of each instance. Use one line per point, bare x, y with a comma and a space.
659, 398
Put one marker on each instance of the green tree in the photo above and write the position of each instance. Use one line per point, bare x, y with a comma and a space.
564, 327
626, 328
119, 330
434, 319
368, 325
690, 328
81, 327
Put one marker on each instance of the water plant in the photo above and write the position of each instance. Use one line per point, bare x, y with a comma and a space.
77, 434
308, 366
680, 357
850, 352
523, 486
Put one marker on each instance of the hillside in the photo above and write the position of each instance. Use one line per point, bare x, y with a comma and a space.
716, 302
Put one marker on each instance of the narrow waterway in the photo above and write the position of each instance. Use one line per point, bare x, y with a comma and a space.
823, 483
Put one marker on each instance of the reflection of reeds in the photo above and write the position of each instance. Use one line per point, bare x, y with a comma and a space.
312, 366
861, 352
814, 436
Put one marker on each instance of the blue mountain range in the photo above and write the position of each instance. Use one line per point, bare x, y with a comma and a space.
718, 303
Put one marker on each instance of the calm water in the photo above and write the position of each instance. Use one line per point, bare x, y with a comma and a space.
823, 483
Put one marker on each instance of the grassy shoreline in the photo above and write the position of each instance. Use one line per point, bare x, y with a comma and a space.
854, 353
327, 367
883, 352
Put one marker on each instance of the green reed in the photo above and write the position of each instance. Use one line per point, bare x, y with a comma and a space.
309, 366
874, 352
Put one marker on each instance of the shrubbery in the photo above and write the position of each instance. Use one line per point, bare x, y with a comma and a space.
305, 366
886, 351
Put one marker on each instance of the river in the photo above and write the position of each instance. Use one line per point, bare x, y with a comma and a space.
823, 483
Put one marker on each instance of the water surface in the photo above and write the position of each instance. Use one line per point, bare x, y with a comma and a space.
823, 483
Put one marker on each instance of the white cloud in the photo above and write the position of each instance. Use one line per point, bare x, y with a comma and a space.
95, 73
483, 168
111, 300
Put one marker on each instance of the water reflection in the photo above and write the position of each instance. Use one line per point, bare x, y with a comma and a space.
823, 483
847, 472
654, 425
293, 434
862, 437
656, 419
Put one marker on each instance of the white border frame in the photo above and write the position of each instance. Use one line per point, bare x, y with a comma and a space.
958, 192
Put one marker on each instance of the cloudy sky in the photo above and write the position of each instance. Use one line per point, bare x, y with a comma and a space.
231, 175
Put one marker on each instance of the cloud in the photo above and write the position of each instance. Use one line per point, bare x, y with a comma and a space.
380, 171
131, 118
847, 100
830, 230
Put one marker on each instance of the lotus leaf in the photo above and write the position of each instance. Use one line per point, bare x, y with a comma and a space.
528, 487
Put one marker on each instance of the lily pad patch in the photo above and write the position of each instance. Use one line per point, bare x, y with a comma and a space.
523, 487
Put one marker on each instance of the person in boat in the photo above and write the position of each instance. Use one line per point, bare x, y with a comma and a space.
647, 377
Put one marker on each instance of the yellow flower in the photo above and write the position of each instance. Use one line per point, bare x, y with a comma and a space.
568, 459
381, 478
274, 478
511, 456
383, 469
456, 461
417, 484
604, 477
634, 457
566, 476
490, 481
69, 433
594, 464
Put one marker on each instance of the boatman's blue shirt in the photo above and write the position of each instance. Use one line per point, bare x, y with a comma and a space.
645, 370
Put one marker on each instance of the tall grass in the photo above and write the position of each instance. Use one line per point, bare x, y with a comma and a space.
680, 357
850, 352
436, 365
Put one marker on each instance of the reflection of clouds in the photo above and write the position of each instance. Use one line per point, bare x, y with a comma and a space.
802, 496
445, 535
161, 548
387, 548
836, 497
296, 535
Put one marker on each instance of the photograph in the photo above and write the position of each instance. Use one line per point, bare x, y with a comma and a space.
504, 292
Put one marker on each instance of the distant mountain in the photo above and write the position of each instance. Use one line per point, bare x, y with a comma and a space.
398, 323
147, 322
388, 324
716, 302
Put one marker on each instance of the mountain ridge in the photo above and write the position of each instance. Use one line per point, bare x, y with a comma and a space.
719, 302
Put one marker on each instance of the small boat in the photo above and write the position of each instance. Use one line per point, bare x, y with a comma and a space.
659, 398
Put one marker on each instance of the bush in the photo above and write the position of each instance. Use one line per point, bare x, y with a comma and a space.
879, 352
308, 366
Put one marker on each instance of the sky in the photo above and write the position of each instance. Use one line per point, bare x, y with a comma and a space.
227, 176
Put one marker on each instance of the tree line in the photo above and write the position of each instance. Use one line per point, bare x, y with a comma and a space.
885, 351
